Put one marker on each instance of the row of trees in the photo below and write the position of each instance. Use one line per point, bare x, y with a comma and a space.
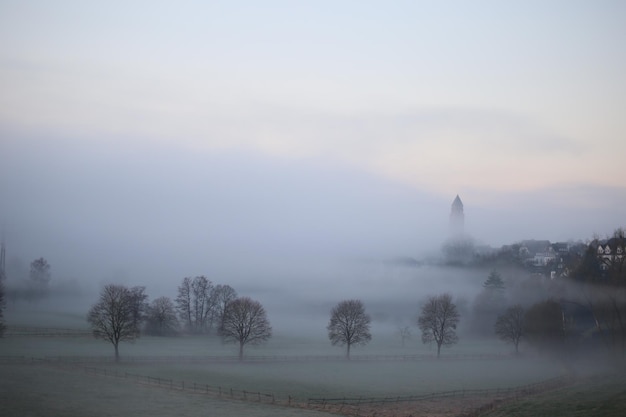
120, 312
201, 304
349, 324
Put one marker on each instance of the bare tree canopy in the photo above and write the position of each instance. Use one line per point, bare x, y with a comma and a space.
438, 321
196, 303
40, 271
116, 317
39, 278
161, 317
349, 325
509, 326
404, 332
222, 295
245, 322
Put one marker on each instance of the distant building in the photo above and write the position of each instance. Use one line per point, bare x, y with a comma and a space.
611, 253
457, 218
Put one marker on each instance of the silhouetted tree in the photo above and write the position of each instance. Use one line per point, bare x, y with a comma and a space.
195, 303
404, 332
245, 322
488, 304
510, 326
221, 296
116, 316
39, 277
603, 288
349, 325
438, 321
543, 325
494, 282
161, 317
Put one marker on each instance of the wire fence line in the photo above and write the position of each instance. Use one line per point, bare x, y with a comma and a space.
267, 358
361, 406
354, 406
523, 390
11, 331
216, 391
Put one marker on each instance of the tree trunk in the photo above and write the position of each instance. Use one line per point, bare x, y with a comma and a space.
240, 351
117, 353
348, 352
438, 349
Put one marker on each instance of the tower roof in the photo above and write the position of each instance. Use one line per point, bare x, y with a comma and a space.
457, 202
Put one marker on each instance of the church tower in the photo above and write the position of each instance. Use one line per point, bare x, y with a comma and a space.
457, 218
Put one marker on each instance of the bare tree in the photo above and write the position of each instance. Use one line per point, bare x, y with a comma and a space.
161, 317
39, 277
510, 326
438, 321
245, 322
404, 332
222, 295
183, 302
349, 325
114, 317
195, 303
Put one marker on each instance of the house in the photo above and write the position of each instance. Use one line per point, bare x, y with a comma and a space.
611, 252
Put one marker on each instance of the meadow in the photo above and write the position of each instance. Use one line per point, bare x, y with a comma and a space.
291, 367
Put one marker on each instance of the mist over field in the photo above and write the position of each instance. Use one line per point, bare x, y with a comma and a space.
298, 236
301, 163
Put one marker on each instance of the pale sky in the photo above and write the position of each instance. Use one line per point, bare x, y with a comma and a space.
440, 95
499, 101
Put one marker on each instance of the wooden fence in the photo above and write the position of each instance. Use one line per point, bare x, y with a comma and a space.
268, 358
217, 391
507, 392
45, 332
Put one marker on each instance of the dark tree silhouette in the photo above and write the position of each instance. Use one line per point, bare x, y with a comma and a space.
195, 303
221, 296
494, 281
404, 332
245, 322
543, 325
438, 321
349, 325
510, 326
161, 317
39, 278
116, 317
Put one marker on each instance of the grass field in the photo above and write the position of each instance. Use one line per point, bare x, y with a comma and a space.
48, 389
600, 396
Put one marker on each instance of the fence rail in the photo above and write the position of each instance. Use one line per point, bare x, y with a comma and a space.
45, 332
267, 358
513, 391
358, 406
217, 391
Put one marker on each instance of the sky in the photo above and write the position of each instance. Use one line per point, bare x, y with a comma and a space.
168, 138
